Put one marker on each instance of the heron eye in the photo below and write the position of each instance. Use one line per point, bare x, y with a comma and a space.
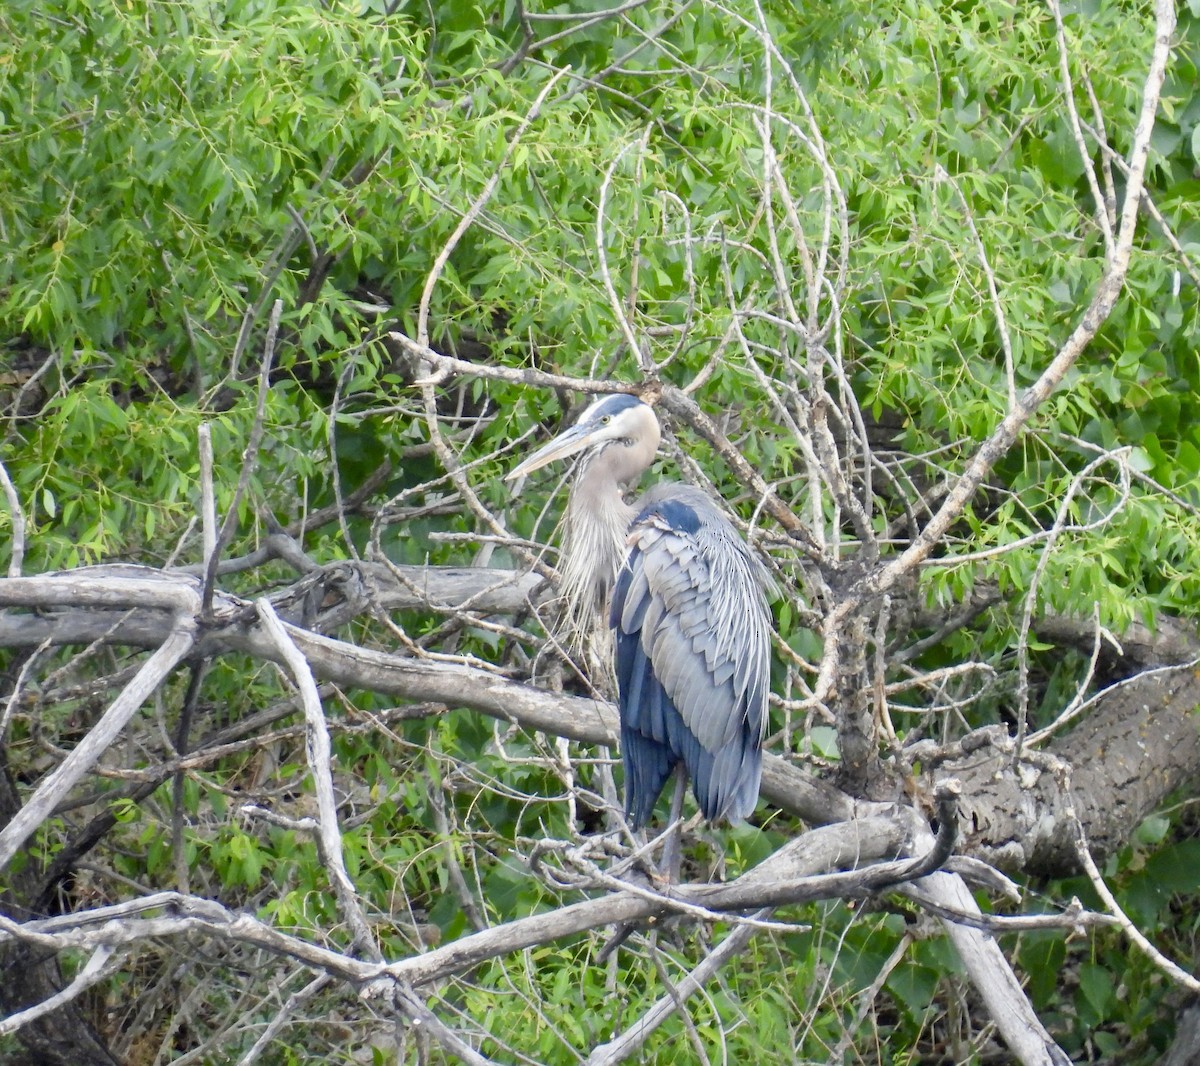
605, 420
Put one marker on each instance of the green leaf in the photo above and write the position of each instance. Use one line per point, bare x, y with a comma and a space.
1096, 984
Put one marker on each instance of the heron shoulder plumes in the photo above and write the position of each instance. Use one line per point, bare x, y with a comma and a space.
693, 656
688, 612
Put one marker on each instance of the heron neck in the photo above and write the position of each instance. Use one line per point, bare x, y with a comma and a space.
597, 522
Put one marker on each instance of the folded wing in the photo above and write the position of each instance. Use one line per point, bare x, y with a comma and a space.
693, 656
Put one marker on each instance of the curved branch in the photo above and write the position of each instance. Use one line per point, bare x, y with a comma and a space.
120, 925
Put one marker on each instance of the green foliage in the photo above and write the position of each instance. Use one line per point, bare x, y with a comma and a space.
1100, 996
169, 170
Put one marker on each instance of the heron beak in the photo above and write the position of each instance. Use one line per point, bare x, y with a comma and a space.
569, 442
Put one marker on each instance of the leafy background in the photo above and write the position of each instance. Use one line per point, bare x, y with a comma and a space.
169, 170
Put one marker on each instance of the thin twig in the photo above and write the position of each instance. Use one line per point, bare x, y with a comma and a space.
464, 223
614, 300
1085, 155
633, 1039
868, 995
1121, 457
942, 174
1168, 966
249, 461
208, 499
283, 1016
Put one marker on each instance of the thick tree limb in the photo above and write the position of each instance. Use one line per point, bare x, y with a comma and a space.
778, 881
991, 974
348, 589
343, 590
784, 878
577, 718
1139, 744
985, 963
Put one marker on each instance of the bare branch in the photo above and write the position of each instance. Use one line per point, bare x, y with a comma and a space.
249, 460
993, 289
319, 752
208, 499
614, 301
444, 365
477, 205
775, 883
631, 1041
419, 1013
57, 784
282, 1016
1085, 156
990, 973
1014, 422
1168, 966
103, 964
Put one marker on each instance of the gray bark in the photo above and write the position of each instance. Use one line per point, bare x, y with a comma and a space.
1185, 1048
1133, 749
1139, 744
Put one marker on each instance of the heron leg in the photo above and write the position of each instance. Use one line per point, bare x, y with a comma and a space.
672, 856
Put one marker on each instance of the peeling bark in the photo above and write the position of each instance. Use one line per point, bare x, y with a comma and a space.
1137, 746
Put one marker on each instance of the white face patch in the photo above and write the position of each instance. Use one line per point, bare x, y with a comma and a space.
606, 421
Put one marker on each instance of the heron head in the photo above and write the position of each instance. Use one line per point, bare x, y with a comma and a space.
619, 419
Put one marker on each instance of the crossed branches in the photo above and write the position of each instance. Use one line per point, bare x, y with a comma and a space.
826, 529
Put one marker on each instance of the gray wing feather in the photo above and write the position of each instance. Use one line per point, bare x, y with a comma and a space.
692, 598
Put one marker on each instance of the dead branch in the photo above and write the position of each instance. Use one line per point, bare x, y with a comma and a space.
856, 844
317, 747
156, 669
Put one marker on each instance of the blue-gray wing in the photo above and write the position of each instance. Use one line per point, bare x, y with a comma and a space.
693, 657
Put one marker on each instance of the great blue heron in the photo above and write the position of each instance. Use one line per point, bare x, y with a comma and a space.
688, 610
